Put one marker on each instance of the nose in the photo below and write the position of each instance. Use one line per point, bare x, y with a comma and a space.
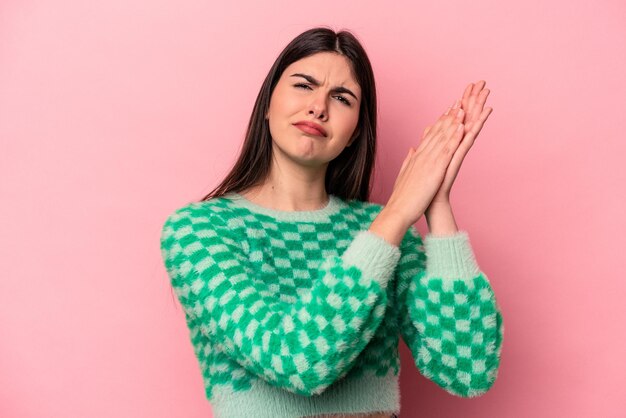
317, 107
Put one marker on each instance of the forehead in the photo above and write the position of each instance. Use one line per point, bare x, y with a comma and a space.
327, 67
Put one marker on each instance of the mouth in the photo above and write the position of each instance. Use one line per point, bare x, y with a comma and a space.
309, 130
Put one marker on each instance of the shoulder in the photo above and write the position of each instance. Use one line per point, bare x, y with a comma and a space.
213, 211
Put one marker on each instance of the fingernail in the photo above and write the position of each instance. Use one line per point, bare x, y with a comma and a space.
457, 103
447, 111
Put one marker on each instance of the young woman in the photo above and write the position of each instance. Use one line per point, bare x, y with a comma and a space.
296, 288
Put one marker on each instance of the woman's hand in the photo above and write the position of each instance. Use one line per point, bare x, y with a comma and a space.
424, 168
472, 105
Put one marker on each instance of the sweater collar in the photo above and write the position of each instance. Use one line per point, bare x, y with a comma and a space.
319, 215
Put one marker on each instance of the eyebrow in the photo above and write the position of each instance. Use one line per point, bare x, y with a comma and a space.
313, 81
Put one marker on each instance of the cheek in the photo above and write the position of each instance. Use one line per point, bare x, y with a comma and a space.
284, 104
349, 123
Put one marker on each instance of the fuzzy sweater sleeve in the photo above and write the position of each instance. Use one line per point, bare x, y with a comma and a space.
448, 314
302, 347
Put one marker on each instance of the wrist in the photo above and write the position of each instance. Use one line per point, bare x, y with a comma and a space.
390, 225
438, 205
398, 216
440, 219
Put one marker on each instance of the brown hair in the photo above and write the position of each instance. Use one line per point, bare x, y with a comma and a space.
348, 175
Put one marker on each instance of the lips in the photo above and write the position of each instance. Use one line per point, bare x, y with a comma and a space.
310, 128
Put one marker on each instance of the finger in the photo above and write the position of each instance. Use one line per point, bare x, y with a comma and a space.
442, 124
456, 137
470, 103
427, 138
477, 126
456, 104
456, 131
448, 128
478, 87
431, 132
426, 131
482, 98
460, 115
449, 139
457, 158
473, 97
479, 104
474, 128
466, 96
454, 114
451, 114
430, 138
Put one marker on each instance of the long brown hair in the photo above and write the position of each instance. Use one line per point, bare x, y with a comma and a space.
348, 175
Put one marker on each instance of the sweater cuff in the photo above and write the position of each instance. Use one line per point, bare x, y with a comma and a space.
373, 255
450, 256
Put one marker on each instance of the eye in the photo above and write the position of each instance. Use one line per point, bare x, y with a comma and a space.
307, 87
344, 100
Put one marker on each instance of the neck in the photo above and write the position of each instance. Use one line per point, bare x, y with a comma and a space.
283, 197
291, 190
291, 185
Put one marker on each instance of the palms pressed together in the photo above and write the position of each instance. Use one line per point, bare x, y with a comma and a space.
471, 107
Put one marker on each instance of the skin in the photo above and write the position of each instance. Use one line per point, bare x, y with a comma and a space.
296, 180
472, 108
432, 168
472, 113
300, 160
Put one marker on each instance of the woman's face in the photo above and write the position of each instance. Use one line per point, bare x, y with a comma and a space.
320, 89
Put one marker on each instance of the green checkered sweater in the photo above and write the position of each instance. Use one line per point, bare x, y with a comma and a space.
296, 313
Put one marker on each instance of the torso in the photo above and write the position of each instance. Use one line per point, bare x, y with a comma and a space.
375, 415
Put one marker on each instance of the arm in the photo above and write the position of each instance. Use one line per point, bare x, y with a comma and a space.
302, 347
448, 314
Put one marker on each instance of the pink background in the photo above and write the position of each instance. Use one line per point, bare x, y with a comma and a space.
112, 114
